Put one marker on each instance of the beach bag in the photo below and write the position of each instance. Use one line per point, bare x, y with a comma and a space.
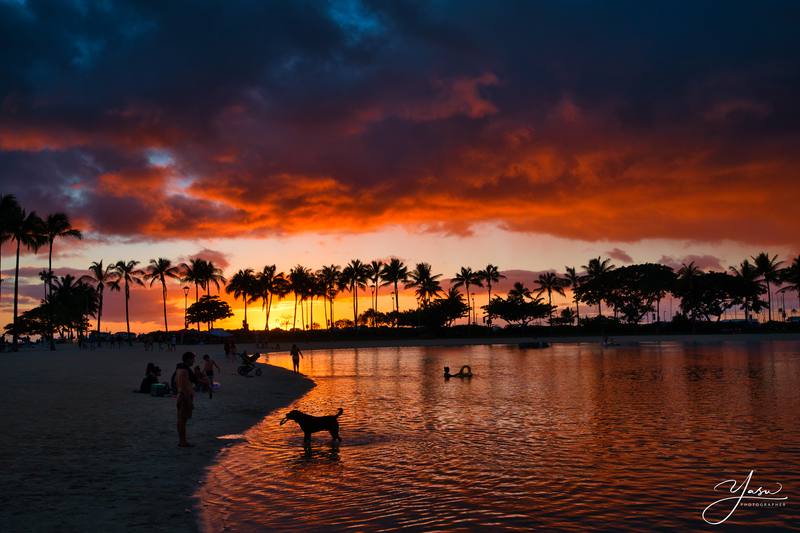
158, 389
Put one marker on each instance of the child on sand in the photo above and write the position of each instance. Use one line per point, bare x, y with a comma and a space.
208, 369
296, 355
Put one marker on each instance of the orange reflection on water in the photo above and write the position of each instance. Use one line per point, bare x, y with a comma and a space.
573, 436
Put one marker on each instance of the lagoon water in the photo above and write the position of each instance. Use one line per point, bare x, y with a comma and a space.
570, 437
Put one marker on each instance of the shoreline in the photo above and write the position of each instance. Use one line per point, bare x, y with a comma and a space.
621, 340
88, 454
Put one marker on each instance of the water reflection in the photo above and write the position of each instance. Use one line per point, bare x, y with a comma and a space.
573, 436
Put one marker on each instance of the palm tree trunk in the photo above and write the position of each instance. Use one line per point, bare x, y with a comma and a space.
99, 314
375, 307
333, 325
355, 305
197, 299
127, 319
577, 313
269, 309
311, 314
245, 312
325, 308
294, 318
769, 303
15, 336
488, 316
550, 304
49, 295
164, 299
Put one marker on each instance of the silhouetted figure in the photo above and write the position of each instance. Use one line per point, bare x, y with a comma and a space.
296, 355
183, 382
465, 372
151, 375
312, 424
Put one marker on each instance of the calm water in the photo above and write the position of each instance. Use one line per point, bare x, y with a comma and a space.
570, 437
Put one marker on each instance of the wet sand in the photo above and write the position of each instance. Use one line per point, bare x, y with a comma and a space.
79, 451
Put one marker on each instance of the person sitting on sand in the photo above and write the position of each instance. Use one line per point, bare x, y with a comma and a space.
184, 380
150, 377
465, 372
296, 355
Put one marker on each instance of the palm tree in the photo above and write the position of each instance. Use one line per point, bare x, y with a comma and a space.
353, 277
425, 283
393, 273
519, 292
769, 268
464, 278
573, 279
750, 289
595, 271
269, 283
129, 275
298, 281
330, 280
375, 275
55, 226
242, 285
101, 277
211, 274
8, 207
491, 274
790, 277
27, 229
159, 270
550, 282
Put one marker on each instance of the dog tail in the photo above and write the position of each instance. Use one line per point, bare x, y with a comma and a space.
339, 412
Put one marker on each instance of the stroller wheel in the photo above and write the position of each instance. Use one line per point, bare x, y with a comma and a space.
258, 371
242, 370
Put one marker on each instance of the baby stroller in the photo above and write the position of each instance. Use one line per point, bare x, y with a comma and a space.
249, 364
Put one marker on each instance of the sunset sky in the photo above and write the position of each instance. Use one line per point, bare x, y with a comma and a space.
525, 134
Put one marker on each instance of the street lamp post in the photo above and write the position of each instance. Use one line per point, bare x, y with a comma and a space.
185, 305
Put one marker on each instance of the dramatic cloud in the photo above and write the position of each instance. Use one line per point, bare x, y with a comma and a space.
703, 262
619, 255
594, 121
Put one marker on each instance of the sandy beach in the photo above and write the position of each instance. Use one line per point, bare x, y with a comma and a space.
82, 452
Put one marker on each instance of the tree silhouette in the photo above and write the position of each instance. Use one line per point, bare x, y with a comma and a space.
56, 226
426, 285
354, 276
159, 270
573, 280
101, 277
394, 273
549, 282
491, 275
242, 285
464, 278
769, 269
26, 229
128, 275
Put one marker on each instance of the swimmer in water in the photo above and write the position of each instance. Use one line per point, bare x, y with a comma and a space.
465, 372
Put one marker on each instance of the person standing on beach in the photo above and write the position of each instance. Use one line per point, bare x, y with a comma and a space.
184, 384
296, 355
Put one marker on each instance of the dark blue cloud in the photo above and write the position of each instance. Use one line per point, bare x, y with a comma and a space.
493, 102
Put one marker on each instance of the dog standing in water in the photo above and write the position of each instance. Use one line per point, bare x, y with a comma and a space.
313, 424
